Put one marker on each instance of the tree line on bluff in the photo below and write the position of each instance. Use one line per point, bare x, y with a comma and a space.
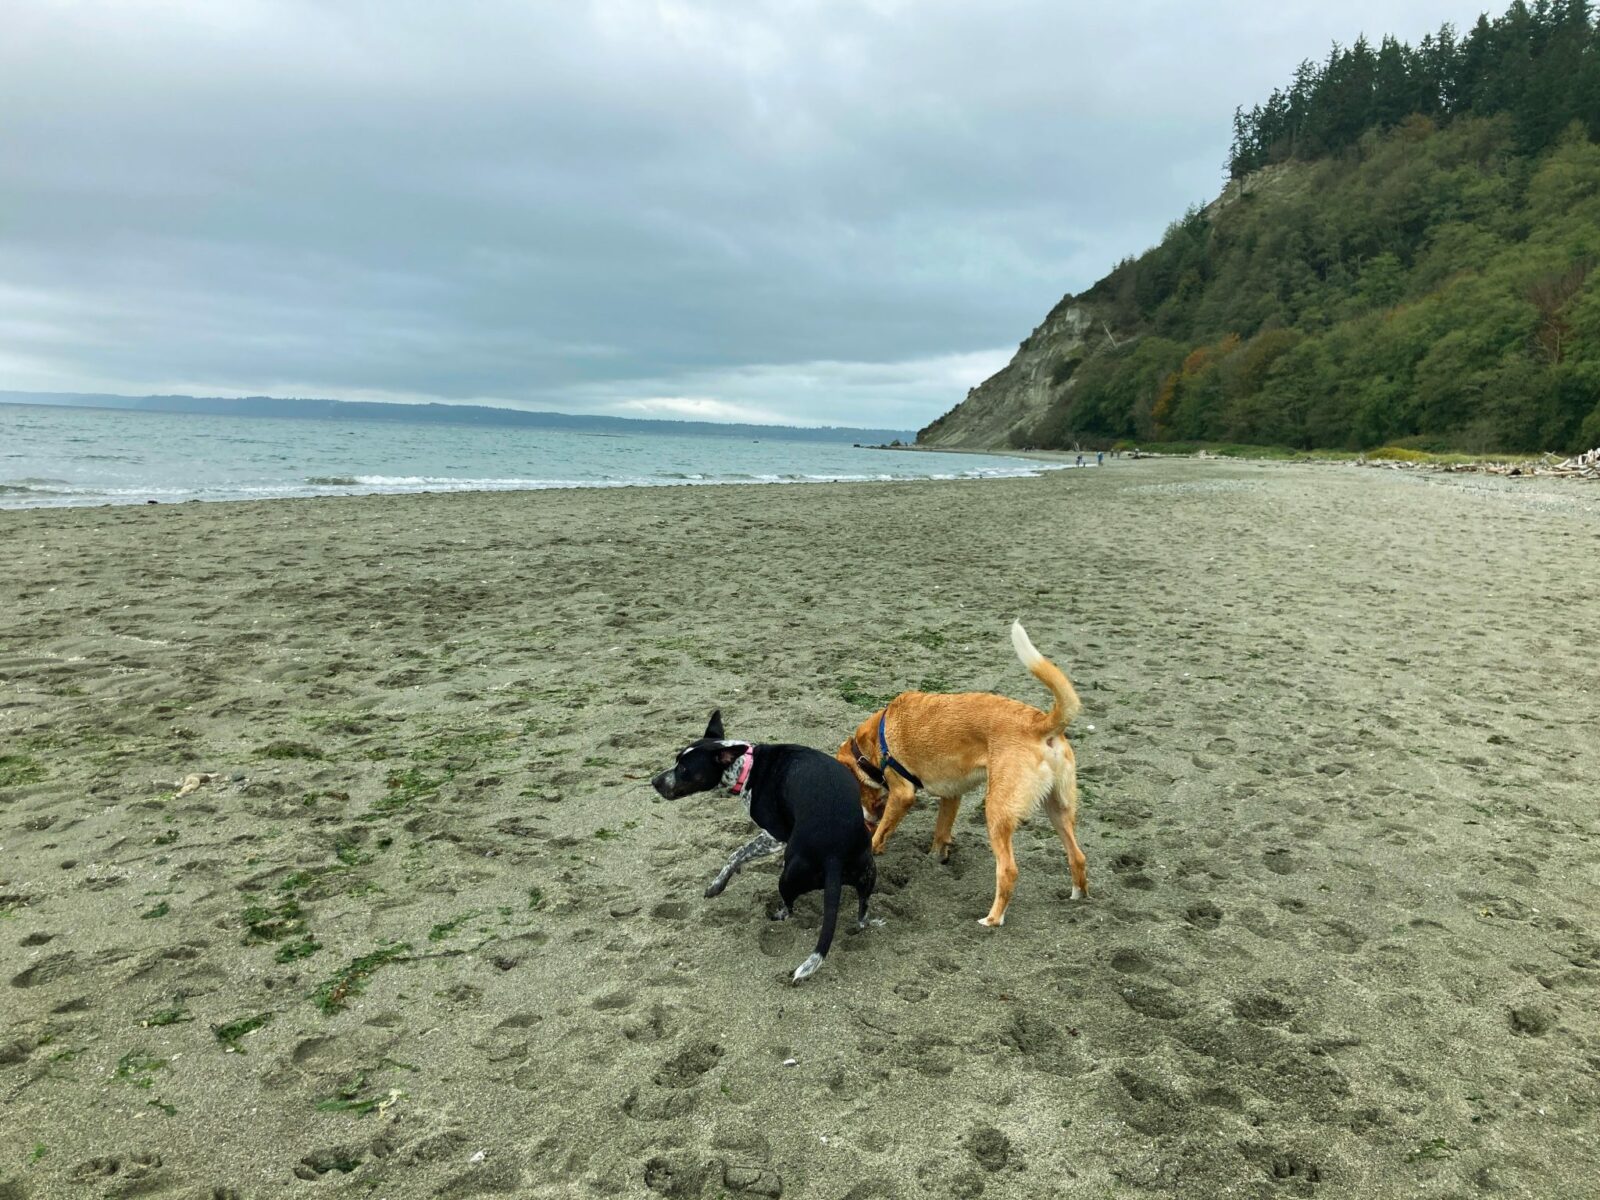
1404, 256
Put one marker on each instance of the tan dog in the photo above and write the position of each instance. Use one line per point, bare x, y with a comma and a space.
947, 744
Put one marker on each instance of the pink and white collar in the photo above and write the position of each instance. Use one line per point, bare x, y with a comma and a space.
742, 767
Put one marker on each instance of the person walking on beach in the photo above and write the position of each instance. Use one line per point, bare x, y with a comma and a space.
1099, 458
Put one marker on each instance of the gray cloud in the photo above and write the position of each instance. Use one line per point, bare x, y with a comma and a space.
813, 212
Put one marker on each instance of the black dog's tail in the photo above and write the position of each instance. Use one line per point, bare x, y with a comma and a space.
832, 885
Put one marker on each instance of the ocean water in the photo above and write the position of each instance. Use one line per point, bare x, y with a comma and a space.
52, 456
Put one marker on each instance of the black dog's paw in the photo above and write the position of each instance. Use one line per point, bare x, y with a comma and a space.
781, 913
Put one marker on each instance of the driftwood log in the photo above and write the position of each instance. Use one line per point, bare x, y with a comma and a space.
1579, 466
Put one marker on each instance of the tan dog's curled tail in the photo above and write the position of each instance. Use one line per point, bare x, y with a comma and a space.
1046, 672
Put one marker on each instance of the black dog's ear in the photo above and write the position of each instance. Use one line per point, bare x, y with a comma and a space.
714, 728
728, 755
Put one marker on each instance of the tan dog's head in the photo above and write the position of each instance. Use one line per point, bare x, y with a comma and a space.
874, 795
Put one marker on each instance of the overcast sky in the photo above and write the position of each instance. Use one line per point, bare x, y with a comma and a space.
813, 213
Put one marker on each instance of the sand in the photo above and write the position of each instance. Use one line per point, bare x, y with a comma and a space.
429, 932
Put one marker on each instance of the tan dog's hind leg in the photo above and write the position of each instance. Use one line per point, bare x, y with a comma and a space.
943, 829
1062, 805
901, 796
1001, 807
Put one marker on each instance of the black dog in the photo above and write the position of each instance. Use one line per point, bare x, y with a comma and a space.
805, 802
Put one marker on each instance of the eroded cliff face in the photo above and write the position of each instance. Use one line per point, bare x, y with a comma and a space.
1017, 396
1001, 411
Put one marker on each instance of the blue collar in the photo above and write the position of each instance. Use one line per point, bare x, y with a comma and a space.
888, 761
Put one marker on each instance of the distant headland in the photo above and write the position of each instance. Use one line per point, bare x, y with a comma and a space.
447, 414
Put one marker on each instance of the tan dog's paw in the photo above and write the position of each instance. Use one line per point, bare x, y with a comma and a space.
995, 924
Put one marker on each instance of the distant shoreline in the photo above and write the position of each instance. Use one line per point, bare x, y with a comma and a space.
1068, 457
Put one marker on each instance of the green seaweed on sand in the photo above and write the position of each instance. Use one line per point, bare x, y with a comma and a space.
348, 1098
166, 1016
1432, 1150
349, 852
230, 1033
338, 722
446, 929
354, 1104
138, 1069
304, 948
332, 993
274, 924
18, 769
474, 744
851, 692
155, 911
406, 788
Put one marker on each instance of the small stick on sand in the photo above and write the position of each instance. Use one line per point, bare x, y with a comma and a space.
193, 783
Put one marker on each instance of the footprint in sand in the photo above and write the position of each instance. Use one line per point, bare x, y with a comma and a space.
1342, 936
1262, 1009
674, 1175
1293, 1172
505, 1042
1157, 1002
46, 970
1279, 862
684, 1069
990, 1147
438, 1147
1131, 962
318, 1163
312, 1049
655, 1105
133, 1165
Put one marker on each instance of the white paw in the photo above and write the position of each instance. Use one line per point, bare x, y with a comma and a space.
781, 913
995, 924
1078, 893
807, 968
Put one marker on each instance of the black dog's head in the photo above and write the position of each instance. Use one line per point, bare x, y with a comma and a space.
701, 764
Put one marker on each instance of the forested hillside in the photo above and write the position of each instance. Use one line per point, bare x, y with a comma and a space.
1404, 255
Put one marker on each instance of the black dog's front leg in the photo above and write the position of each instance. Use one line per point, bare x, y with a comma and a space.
758, 847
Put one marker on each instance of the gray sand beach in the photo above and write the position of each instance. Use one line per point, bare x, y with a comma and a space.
417, 926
